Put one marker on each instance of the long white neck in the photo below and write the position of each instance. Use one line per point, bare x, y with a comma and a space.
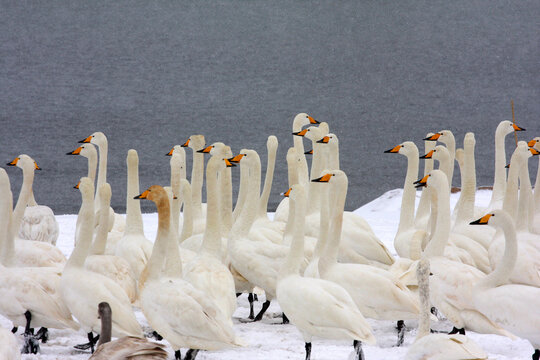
317, 166
504, 269
450, 143
439, 239
249, 211
406, 216
525, 215
537, 187
271, 145
175, 164
446, 163
86, 227
134, 222
296, 255
6, 209
197, 173
425, 199
422, 274
102, 174
163, 252
24, 196
333, 155
510, 204
242, 191
303, 171
338, 192
212, 234
100, 242
465, 211
324, 226
187, 226
92, 165
226, 210
499, 183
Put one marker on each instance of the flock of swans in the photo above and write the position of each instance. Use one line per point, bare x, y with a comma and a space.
324, 266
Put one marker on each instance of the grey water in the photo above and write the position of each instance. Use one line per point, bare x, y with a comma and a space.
151, 73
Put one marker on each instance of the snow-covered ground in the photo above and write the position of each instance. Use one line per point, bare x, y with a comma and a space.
269, 339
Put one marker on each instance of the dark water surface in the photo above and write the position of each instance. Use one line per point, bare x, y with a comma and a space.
149, 74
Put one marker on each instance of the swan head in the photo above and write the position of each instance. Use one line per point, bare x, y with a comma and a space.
272, 143
440, 152
177, 149
406, 148
331, 176
324, 128
24, 161
506, 127
535, 143
87, 150
313, 133
431, 179
496, 218
195, 142
155, 193
96, 138
330, 138
303, 119
215, 148
444, 136
86, 186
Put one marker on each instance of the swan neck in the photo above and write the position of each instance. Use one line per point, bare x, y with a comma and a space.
317, 166
466, 201
324, 228
187, 226
197, 183
92, 167
442, 229
425, 199
338, 192
499, 183
106, 329
100, 242
7, 240
175, 203
525, 199
212, 236
102, 174
225, 180
510, 203
269, 176
85, 232
134, 222
294, 258
537, 188
242, 191
303, 171
249, 210
24, 196
406, 217
160, 253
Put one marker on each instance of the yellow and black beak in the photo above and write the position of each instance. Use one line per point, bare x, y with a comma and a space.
36, 166
429, 155
507, 166
395, 149
309, 152
185, 144
236, 159
433, 137
534, 151
77, 186
287, 193
77, 151
517, 128
144, 195
421, 183
324, 140
228, 163
532, 142
87, 140
482, 221
300, 133
14, 162
324, 178
206, 150
313, 121
170, 152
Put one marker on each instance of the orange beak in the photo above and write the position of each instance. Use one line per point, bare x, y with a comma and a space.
170, 152
433, 137
144, 195
77, 151
186, 143
532, 142
422, 182
228, 163
206, 150
313, 121
429, 155
287, 193
517, 128
395, 149
324, 140
324, 178
236, 159
14, 162
309, 152
36, 166
534, 151
77, 186
482, 221
300, 133
87, 140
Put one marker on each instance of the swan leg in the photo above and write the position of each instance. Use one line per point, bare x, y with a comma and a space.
358, 350
308, 351
31, 344
156, 336
265, 306
285, 319
455, 330
255, 297
43, 335
14, 329
90, 344
401, 332
536, 355
177, 355
251, 313
191, 354
238, 294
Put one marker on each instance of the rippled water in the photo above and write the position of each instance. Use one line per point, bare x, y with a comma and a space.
149, 74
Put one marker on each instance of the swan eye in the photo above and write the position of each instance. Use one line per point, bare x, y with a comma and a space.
430, 274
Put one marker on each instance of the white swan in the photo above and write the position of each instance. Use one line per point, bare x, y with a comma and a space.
376, 292
38, 222
504, 128
127, 347
527, 268
317, 307
179, 312
134, 247
513, 306
452, 282
83, 290
114, 267
116, 222
28, 252
29, 295
9, 347
438, 346
207, 272
197, 143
